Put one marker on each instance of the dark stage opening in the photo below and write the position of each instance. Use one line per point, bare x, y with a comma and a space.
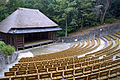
35, 37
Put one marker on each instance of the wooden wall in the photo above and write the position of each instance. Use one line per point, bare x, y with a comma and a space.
52, 35
20, 41
15, 40
0, 36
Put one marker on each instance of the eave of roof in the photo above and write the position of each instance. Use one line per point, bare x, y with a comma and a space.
22, 31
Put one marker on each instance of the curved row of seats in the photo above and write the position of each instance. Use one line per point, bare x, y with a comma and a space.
102, 50
108, 46
67, 65
38, 65
100, 67
67, 53
97, 52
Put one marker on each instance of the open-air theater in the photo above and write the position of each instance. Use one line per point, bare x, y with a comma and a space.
93, 59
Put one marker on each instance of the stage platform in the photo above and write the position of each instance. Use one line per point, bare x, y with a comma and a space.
37, 43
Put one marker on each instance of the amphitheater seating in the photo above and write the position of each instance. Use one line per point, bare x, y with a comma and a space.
101, 51
108, 38
76, 51
66, 64
87, 69
112, 36
117, 35
78, 72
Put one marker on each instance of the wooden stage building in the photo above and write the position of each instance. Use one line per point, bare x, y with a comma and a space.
27, 28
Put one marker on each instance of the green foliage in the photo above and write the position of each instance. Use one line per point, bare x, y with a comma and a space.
7, 50
75, 14
2, 44
2, 3
115, 8
110, 20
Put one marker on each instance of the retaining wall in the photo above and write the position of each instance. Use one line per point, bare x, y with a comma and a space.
113, 28
7, 60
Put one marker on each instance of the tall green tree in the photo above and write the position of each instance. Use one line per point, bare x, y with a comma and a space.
3, 3
86, 15
12, 5
115, 8
3, 9
102, 7
9, 7
66, 15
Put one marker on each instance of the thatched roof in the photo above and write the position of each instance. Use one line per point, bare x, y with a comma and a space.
26, 18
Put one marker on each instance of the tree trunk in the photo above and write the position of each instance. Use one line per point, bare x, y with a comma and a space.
103, 17
66, 28
81, 24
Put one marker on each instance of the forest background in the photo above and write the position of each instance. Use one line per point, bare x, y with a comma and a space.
70, 15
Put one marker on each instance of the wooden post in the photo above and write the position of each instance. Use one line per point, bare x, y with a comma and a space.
20, 41
53, 36
49, 35
23, 42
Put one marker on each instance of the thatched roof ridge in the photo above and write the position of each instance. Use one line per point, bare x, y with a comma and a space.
26, 18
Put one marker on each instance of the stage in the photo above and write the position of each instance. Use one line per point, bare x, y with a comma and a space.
37, 43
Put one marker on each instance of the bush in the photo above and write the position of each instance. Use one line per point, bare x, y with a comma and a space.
111, 20
7, 50
2, 44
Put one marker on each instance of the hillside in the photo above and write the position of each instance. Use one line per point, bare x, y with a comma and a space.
87, 30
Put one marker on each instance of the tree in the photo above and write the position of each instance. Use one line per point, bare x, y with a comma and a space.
86, 16
65, 13
115, 8
74, 14
70, 15
9, 7
12, 5
102, 7
3, 3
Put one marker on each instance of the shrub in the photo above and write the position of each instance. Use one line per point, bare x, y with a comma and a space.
7, 50
2, 44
